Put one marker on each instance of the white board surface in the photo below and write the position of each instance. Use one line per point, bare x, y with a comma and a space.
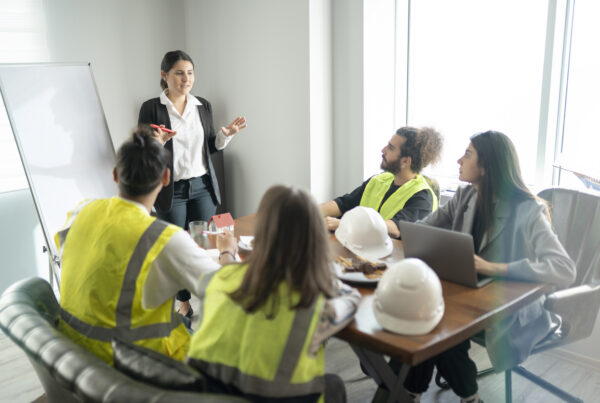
62, 136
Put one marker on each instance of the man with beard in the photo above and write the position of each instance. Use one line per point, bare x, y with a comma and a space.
401, 192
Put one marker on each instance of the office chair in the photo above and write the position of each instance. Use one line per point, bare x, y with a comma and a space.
576, 221
434, 184
29, 315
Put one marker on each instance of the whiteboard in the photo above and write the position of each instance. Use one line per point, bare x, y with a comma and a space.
62, 136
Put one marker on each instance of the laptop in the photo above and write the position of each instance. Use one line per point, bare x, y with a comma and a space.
448, 253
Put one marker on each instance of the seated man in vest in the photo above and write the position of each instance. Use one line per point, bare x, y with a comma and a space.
401, 192
121, 267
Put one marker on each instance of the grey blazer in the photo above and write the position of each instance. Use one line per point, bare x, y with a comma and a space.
522, 237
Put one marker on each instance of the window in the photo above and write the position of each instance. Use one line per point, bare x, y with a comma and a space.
581, 141
22, 39
476, 66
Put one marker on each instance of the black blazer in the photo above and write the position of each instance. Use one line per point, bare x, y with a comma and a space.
152, 111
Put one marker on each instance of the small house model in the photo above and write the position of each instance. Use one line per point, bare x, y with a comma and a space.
222, 222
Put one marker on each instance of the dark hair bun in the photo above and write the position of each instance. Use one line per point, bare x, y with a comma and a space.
138, 139
141, 162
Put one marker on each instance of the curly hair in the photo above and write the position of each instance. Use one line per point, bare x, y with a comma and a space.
423, 146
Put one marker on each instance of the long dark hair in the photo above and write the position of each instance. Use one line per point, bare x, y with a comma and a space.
169, 60
290, 245
141, 163
502, 178
423, 146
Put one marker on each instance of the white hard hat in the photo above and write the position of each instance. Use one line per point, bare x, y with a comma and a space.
408, 298
363, 231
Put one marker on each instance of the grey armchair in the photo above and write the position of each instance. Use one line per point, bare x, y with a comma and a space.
576, 221
29, 316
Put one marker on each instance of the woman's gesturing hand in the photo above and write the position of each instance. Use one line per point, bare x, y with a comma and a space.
232, 128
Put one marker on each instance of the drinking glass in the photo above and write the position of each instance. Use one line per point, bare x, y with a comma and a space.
198, 233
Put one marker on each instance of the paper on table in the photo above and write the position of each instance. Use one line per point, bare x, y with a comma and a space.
246, 242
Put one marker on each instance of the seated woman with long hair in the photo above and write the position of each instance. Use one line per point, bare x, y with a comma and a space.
513, 238
264, 322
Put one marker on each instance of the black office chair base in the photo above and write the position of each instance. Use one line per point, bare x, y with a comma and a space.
556, 391
567, 397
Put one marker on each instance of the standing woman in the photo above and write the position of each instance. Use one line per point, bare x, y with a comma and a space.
513, 239
193, 192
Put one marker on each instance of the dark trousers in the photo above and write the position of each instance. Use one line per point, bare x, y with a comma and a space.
192, 201
454, 365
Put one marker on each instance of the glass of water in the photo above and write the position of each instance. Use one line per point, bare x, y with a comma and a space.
198, 233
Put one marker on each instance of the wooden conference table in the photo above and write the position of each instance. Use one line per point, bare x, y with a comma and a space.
468, 311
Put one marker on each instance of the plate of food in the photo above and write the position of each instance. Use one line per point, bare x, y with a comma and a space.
246, 242
358, 270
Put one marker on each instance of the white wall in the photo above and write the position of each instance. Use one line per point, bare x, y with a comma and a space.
124, 41
321, 88
379, 89
348, 116
252, 59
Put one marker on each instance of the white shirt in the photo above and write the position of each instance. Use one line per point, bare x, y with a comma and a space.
178, 266
188, 143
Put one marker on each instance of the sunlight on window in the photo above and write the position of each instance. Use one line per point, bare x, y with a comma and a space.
581, 143
477, 66
22, 39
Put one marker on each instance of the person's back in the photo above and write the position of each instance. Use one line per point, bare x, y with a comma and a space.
264, 322
107, 251
252, 352
121, 267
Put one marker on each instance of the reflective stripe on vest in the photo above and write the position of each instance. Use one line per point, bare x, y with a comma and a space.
61, 235
107, 254
378, 186
282, 383
123, 328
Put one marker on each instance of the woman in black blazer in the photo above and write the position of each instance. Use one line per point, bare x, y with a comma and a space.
193, 192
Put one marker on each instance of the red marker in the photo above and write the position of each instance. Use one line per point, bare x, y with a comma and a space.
164, 129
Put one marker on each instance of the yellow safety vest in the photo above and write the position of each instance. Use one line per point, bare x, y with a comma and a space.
257, 355
107, 253
378, 186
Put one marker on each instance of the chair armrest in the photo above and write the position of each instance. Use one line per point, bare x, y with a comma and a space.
578, 309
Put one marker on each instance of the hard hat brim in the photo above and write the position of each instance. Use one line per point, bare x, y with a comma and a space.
372, 253
407, 327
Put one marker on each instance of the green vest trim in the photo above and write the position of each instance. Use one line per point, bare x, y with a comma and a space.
378, 186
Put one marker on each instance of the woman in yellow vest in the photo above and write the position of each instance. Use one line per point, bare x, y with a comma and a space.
121, 267
400, 193
264, 322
